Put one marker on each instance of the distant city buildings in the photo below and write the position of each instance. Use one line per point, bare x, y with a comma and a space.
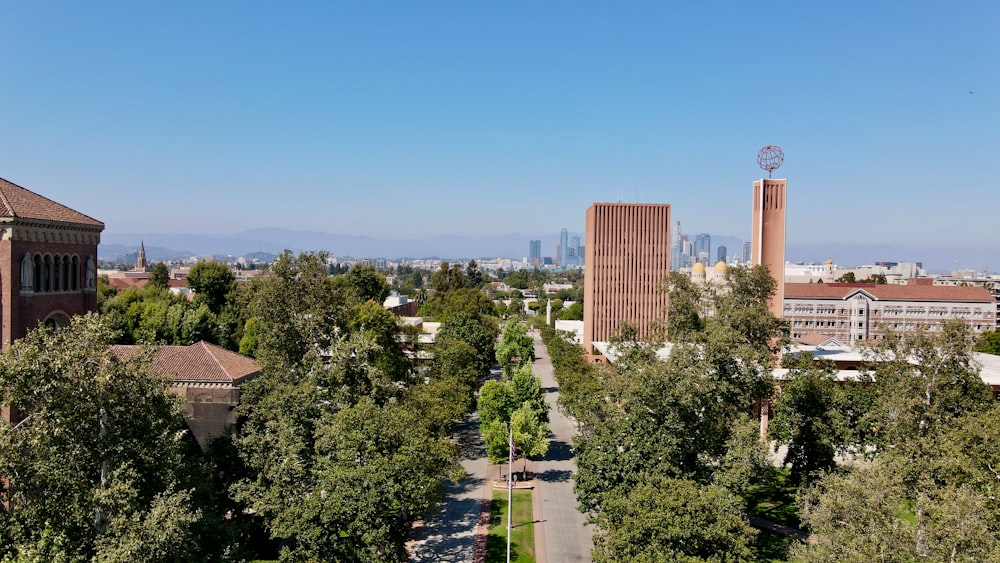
562, 251
703, 247
721, 254
535, 253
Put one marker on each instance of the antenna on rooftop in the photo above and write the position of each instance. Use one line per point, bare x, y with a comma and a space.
770, 158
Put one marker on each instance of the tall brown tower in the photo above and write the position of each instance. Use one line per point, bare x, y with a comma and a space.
627, 256
768, 237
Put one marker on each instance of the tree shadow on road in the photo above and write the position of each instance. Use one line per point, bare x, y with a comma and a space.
555, 475
448, 536
559, 451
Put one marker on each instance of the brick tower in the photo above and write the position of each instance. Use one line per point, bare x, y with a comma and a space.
768, 237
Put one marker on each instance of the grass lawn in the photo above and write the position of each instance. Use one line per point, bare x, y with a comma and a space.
522, 539
777, 503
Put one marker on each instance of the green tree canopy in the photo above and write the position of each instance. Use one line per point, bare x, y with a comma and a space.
363, 283
211, 283
159, 277
674, 520
95, 470
516, 347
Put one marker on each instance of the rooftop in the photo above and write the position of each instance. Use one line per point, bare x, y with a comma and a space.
16, 201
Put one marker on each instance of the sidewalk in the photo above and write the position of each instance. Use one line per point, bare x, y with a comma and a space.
562, 535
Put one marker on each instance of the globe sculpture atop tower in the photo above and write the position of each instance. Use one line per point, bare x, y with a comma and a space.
770, 158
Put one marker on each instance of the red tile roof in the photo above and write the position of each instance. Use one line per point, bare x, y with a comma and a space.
890, 292
200, 362
16, 201
121, 283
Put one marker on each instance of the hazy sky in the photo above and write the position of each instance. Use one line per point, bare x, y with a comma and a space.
397, 119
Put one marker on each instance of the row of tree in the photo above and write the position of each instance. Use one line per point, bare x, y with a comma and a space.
512, 411
342, 441
670, 453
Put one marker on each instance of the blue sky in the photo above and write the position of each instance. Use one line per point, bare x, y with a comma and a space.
413, 119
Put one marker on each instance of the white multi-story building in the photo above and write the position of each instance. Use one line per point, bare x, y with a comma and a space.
856, 312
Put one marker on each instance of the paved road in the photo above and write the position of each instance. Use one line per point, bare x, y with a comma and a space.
450, 535
567, 539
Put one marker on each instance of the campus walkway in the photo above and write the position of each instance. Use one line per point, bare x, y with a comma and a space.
564, 536
560, 533
450, 536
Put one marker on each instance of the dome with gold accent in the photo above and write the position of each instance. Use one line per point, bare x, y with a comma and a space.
698, 267
721, 267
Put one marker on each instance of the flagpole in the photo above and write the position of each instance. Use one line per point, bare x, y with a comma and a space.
510, 488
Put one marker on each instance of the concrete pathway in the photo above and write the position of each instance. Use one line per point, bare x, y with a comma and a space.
561, 536
450, 536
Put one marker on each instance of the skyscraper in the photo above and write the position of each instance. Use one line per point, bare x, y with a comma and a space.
746, 252
677, 249
768, 232
703, 243
563, 254
535, 252
627, 256
722, 253
574, 252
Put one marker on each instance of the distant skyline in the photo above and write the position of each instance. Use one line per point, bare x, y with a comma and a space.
426, 119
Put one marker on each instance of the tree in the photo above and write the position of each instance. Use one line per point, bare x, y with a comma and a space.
476, 330
298, 311
746, 462
516, 347
848, 277
363, 283
530, 433
572, 313
989, 342
526, 388
211, 283
159, 277
930, 491
668, 520
348, 485
154, 316
94, 471
473, 275
380, 326
805, 416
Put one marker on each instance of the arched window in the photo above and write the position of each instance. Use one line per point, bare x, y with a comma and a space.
75, 273
67, 285
38, 272
47, 273
27, 273
57, 277
56, 319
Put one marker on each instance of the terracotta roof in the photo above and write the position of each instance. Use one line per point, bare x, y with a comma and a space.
16, 201
121, 283
890, 292
200, 362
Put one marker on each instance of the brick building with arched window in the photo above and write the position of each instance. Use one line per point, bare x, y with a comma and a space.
48, 262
